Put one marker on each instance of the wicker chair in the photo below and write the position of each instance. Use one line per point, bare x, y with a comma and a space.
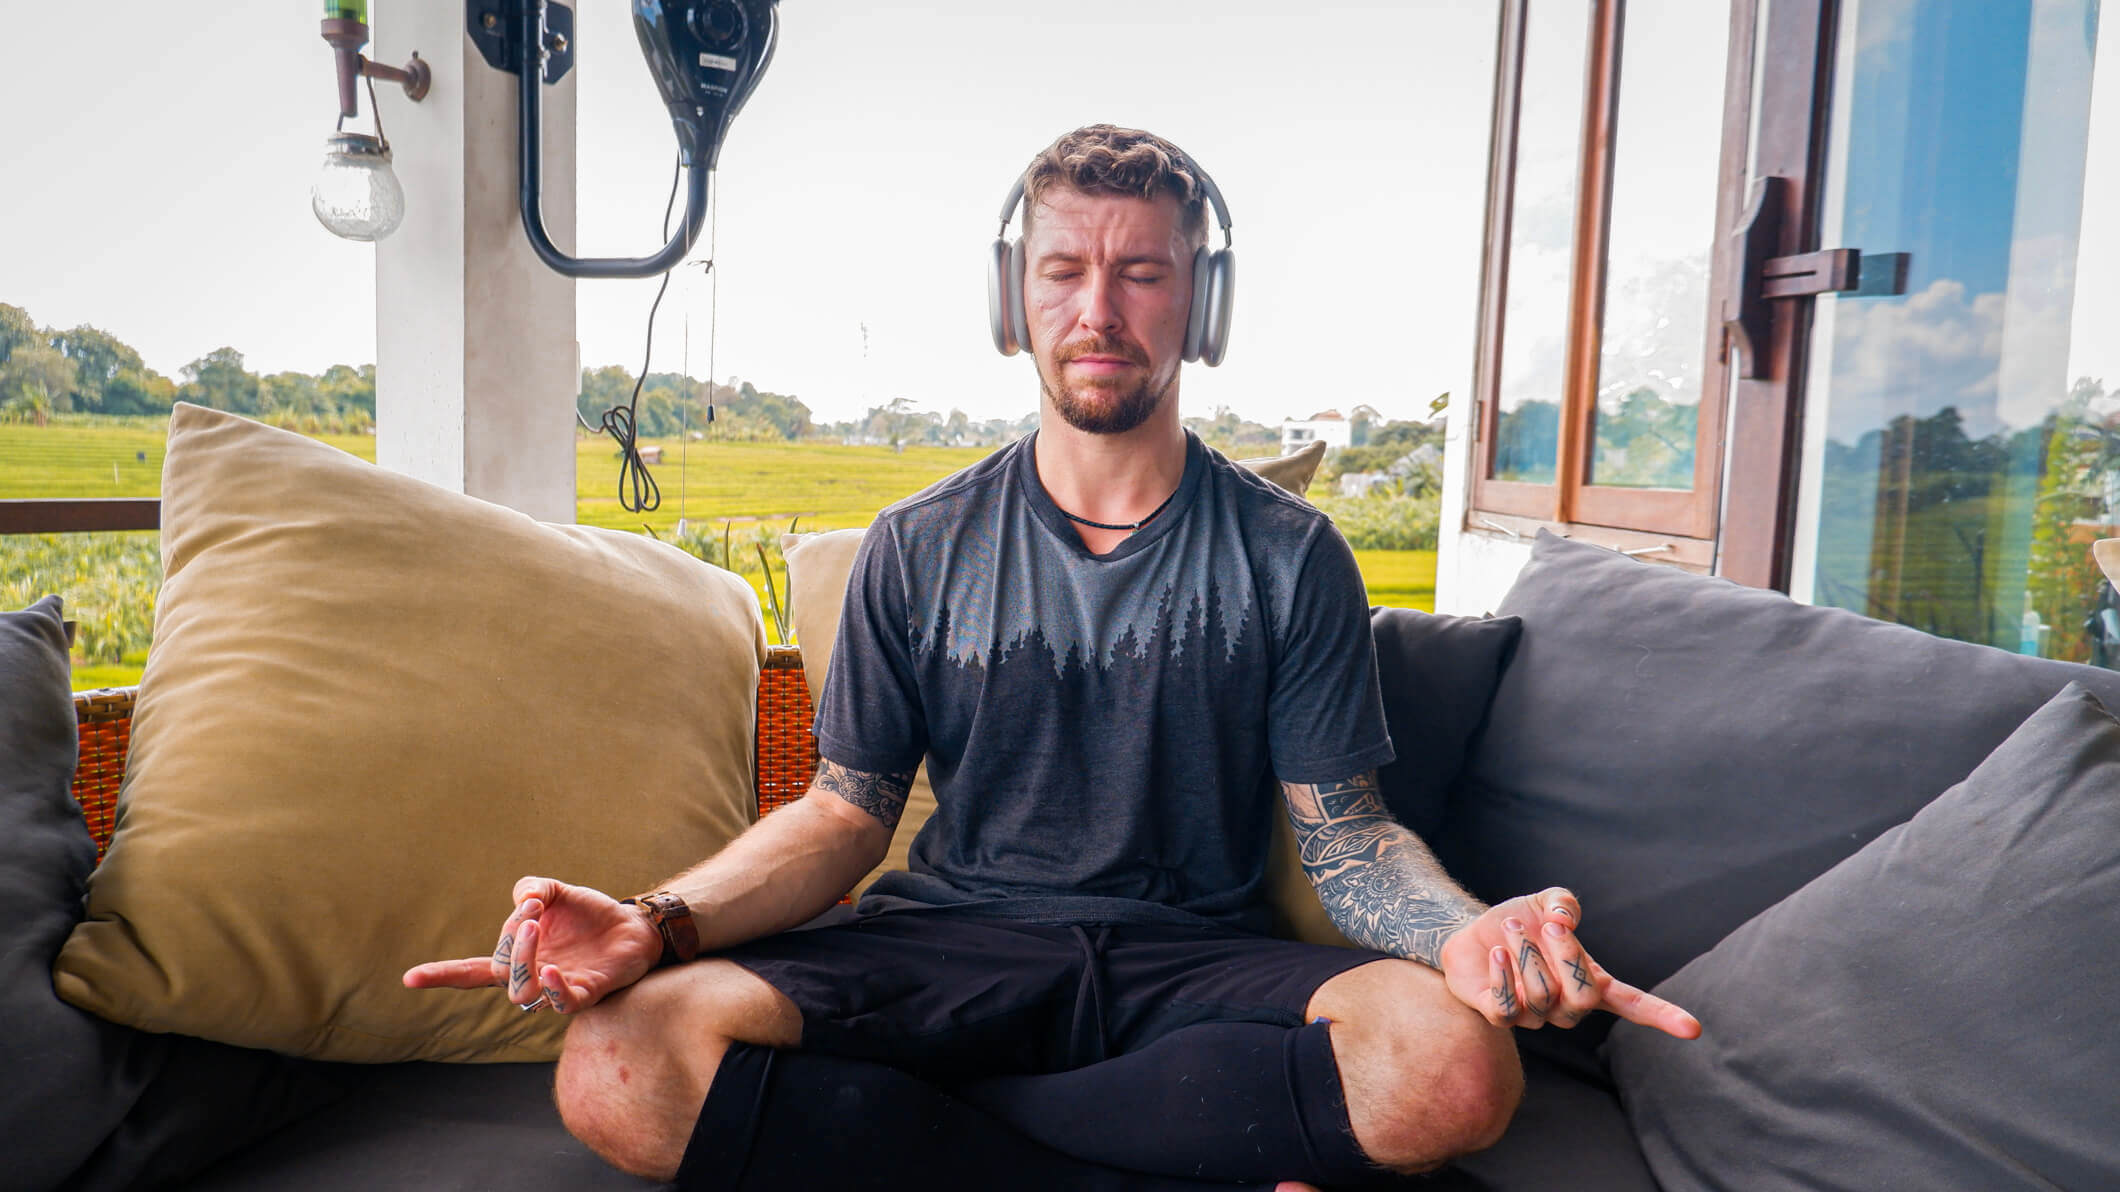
785, 752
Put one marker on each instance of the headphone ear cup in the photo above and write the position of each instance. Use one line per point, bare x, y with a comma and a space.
1221, 300
1018, 318
997, 316
1196, 316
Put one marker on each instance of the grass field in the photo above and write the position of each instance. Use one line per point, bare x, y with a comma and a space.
753, 490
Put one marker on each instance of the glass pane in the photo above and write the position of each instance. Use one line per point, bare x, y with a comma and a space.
1662, 229
1541, 241
1961, 448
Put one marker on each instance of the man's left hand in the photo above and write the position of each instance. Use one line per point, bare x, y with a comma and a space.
1521, 965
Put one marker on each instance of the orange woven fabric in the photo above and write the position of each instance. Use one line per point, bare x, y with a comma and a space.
787, 753
105, 720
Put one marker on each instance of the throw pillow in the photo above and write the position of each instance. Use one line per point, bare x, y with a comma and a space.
1438, 674
1294, 471
818, 565
69, 1084
372, 705
1934, 1012
2107, 552
89, 1103
1684, 752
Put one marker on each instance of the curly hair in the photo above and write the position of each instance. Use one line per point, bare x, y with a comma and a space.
1104, 159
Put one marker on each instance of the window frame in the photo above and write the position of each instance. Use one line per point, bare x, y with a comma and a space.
1680, 522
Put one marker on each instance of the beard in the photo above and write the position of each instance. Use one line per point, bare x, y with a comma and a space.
1109, 405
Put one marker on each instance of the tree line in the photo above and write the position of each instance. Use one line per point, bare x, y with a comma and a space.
45, 371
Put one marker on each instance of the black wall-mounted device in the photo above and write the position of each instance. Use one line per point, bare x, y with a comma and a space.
706, 57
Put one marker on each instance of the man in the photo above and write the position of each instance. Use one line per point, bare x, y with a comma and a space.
1102, 639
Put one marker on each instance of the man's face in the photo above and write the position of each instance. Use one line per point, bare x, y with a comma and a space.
1107, 282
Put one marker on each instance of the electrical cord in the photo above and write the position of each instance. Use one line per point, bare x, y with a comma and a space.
637, 490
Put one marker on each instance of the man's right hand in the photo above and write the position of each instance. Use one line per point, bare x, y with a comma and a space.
570, 944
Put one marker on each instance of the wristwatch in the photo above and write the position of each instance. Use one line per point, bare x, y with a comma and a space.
673, 922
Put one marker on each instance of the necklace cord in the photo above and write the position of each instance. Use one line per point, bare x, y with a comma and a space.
1107, 526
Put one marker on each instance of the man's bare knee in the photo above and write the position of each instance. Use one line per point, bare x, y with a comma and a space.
636, 1067
1426, 1078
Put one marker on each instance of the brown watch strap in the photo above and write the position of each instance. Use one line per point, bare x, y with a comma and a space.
673, 922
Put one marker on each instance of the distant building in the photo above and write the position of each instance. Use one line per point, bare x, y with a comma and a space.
1329, 427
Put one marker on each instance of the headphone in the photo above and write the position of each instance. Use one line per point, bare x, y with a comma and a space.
1213, 293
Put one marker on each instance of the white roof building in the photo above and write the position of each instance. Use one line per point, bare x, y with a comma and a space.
1330, 426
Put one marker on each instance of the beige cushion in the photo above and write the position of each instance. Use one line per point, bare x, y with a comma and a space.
1292, 472
2107, 552
818, 565
372, 704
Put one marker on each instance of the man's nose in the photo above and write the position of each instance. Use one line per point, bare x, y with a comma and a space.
1100, 308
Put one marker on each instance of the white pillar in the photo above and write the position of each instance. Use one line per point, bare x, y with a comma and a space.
475, 349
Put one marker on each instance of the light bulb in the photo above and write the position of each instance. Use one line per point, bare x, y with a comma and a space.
356, 194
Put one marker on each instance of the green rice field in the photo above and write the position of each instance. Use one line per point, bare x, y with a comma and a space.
731, 496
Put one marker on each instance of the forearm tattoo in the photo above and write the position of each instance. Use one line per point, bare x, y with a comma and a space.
881, 795
1378, 882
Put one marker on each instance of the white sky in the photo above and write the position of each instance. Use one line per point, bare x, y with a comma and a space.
156, 179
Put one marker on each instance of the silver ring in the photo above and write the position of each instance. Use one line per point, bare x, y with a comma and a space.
539, 1004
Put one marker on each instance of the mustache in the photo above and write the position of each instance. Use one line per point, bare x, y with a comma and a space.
1103, 345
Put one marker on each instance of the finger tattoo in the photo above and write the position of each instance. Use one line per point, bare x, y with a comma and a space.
1538, 992
506, 949
519, 977
1580, 971
1506, 998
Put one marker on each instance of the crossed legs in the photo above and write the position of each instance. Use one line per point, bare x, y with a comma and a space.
1424, 1077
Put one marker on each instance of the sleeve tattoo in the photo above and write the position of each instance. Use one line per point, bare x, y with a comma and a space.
881, 795
1377, 880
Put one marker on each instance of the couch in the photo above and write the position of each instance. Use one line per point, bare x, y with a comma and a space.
1881, 867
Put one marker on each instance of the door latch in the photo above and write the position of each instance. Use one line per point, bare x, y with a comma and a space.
1759, 278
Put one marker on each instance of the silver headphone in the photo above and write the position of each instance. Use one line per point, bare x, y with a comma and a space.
1214, 285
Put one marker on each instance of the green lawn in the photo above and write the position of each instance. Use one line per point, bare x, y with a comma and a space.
1401, 578
829, 486
754, 489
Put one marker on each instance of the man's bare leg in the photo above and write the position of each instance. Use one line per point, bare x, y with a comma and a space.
1426, 1078
637, 1065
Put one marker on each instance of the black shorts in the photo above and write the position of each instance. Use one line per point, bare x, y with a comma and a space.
951, 997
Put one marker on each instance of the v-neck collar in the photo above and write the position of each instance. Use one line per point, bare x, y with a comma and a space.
1048, 512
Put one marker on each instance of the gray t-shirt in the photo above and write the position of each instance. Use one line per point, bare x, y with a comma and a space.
1103, 732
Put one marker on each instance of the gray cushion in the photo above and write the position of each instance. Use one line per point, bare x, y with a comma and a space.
436, 1127
1438, 674
88, 1102
1683, 752
1569, 1133
71, 1077
1935, 1012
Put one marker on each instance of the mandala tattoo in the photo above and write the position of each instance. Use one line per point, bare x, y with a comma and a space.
881, 795
1378, 882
